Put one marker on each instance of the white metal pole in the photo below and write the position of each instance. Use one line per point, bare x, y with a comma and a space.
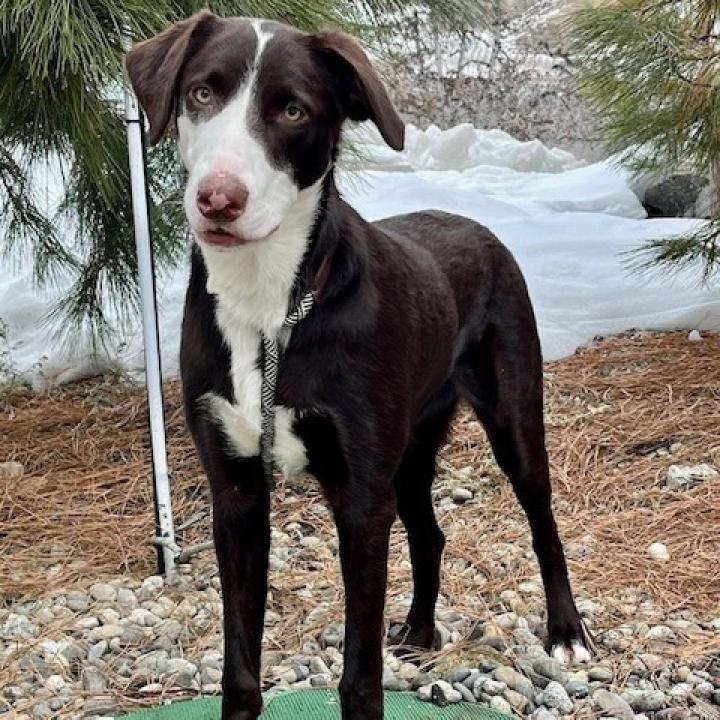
153, 374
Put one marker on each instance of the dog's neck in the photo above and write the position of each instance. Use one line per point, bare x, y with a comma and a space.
322, 245
255, 283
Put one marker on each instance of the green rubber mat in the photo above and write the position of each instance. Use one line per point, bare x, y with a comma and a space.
323, 705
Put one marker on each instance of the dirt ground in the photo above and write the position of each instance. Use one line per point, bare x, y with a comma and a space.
619, 413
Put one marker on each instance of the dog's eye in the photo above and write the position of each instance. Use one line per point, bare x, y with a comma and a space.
201, 94
293, 113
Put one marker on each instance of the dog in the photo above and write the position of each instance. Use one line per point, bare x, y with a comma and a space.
409, 316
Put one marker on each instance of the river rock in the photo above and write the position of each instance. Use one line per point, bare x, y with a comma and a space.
93, 682
645, 700
555, 696
613, 705
103, 592
549, 668
658, 552
515, 681
683, 476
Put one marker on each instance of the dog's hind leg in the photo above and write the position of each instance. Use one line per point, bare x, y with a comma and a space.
413, 483
501, 374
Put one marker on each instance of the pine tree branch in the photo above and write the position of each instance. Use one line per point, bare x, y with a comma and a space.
653, 76
60, 75
698, 250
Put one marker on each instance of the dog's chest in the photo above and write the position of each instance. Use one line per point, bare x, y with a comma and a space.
244, 310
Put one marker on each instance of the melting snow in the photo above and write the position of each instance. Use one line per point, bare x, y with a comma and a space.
568, 225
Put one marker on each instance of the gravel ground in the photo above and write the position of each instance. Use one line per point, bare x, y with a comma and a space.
107, 643
98, 650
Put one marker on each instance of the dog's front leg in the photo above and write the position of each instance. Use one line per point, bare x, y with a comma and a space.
241, 530
364, 514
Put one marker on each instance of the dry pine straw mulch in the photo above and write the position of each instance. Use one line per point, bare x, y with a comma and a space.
83, 510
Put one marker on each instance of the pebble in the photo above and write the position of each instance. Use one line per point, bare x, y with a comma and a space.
472, 679
321, 680
600, 673
126, 599
704, 690
679, 477
77, 600
491, 687
93, 682
500, 703
170, 629
461, 495
458, 675
17, 626
151, 587
645, 700
108, 616
443, 635
659, 552
543, 714
495, 642
555, 696
87, 623
515, 681
467, 695
549, 668
681, 691
613, 705
105, 632
210, 675
42, 710
100, 706
389, 680
318, 666
332, 635
440, 692
55, 683
518, 701
660, 632
11, 470
103, 592
577, 689
180, 665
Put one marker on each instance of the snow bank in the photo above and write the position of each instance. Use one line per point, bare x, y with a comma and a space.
459, 148
568, 225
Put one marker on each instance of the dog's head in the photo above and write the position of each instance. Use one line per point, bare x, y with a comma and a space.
258, 108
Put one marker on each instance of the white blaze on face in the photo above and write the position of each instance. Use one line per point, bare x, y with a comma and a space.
225, 143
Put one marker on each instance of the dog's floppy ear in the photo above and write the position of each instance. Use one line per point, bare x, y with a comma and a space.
154, 68
362, 91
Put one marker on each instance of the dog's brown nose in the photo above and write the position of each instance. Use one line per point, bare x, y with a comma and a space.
222, 198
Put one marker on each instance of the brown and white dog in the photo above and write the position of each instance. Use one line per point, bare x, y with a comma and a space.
413, 315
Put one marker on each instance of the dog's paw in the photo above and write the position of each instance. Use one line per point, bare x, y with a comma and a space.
578, 648
405, 640
575, 653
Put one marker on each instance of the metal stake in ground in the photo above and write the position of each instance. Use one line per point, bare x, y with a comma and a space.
153, 375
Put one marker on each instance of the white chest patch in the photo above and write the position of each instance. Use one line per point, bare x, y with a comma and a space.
252, 284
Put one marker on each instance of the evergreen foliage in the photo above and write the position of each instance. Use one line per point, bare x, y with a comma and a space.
61, 85
651, 70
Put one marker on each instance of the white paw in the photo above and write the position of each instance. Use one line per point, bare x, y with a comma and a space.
578, 653
288, 449
242, 433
